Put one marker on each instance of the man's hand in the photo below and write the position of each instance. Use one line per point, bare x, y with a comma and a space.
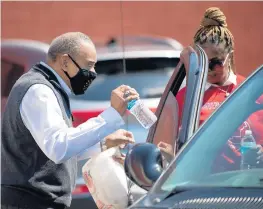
119, 138
118, 99
120, 159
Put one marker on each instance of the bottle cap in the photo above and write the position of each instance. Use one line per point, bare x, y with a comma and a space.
248, 132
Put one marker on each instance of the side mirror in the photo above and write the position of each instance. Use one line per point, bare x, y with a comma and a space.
143, 164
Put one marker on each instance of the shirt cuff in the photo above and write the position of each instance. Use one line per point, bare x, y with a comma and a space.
112, 117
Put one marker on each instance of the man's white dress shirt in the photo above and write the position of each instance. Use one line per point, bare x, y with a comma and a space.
42, 116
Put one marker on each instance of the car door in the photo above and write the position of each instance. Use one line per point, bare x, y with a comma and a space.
167, 129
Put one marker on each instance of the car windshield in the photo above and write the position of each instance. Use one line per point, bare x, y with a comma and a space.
213, 157
148, 76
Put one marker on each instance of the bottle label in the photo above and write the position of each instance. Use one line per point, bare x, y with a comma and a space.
131, 104
247, 145
143, 114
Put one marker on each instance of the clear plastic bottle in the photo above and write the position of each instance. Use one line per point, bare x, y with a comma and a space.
248, 146
142, 113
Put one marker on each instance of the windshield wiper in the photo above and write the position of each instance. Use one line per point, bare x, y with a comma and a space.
177, 190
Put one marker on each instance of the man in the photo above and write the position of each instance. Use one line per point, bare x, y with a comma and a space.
40, 148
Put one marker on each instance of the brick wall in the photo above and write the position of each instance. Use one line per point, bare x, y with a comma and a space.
45, 20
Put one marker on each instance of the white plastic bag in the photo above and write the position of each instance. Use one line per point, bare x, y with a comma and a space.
106, 180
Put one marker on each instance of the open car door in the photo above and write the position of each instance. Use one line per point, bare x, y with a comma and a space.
167, 129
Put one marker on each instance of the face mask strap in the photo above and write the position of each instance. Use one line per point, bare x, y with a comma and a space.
75, 62
67, 75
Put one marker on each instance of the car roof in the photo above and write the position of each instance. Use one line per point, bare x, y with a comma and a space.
24, 52
21, 43
135, 47
139, 47
132, 52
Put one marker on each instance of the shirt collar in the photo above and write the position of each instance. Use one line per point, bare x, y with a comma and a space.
232, 79
60, 80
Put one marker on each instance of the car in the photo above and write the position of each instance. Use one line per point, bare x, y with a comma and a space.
146, 64
17, 56
198, 177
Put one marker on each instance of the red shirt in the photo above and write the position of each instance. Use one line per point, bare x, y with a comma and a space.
213, 97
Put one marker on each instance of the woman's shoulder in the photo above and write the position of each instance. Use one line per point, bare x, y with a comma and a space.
181, 92
240, 78
180, 95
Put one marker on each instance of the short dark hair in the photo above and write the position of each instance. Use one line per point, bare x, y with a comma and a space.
67, 43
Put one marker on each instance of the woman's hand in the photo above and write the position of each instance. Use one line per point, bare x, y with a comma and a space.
167, 151
166, 148
185, 57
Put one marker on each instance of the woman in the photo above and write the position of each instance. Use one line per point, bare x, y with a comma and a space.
218, 43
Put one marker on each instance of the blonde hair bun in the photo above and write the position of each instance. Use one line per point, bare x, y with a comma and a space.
214, 17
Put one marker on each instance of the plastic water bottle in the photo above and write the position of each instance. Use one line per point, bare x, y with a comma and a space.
142, 113
248, 148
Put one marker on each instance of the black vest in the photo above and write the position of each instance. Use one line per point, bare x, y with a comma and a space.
29, 178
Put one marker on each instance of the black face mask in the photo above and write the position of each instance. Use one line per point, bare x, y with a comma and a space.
82, 80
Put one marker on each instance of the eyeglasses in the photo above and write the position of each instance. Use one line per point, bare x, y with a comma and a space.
217, 62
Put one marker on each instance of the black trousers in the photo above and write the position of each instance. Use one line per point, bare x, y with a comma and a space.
18, 199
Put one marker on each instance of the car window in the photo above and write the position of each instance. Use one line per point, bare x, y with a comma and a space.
148, 76
167, 112
169, 128
10, 72
213, 157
